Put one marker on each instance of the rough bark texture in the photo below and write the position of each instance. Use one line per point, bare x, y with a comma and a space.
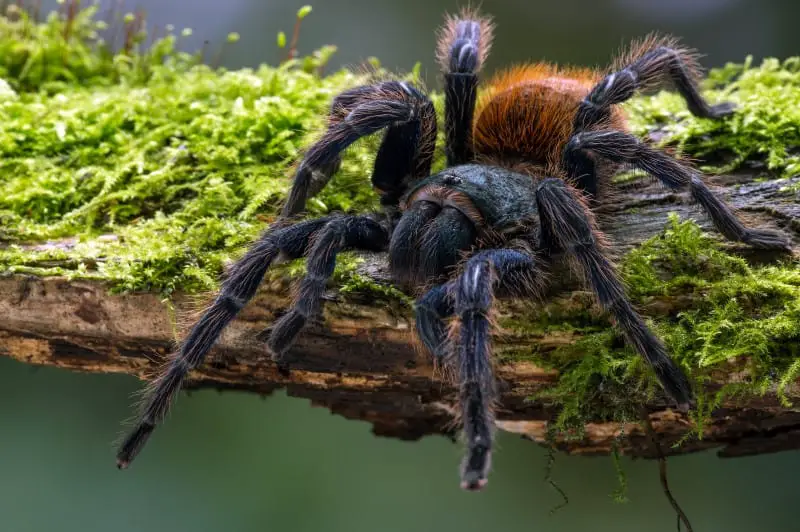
361, 363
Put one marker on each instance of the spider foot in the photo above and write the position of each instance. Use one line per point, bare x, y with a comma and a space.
767, 239
472, 482
278, 356
284, 370
281, 364
721, 110
476, 468
133, 444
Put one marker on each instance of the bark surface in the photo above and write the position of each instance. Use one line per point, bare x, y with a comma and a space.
360, 361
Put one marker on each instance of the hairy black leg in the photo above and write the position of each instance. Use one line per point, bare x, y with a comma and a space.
340, 233
460, 93
567, 225
430, 311
464, 43
649, 64
316, 179
437, 304
406, 153
238, 288
487, 274
624, 148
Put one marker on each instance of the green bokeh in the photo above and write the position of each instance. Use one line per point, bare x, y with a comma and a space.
234, 462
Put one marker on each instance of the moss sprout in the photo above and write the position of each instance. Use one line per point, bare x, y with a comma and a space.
73, 47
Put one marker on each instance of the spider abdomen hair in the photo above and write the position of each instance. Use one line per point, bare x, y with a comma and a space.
526, 113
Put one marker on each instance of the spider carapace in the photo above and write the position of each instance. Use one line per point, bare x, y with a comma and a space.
528, 160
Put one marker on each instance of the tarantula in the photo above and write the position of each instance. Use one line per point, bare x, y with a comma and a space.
527, 163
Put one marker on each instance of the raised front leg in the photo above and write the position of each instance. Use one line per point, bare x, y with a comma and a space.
649, 63
464, 43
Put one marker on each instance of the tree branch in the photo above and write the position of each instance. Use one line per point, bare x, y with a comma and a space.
360, 362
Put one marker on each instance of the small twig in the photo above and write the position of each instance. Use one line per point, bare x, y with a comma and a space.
662, 472
551, 460
217, 61
154, 35
71, 11
295, 37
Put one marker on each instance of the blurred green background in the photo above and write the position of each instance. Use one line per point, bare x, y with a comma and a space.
400, 33
233, 462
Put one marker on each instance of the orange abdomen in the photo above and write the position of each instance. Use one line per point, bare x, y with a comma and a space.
525, 115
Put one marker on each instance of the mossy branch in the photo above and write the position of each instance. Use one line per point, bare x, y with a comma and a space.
150, 187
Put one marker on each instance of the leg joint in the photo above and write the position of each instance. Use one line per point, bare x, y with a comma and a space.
230, 303
583, 246
552, 184
474, 290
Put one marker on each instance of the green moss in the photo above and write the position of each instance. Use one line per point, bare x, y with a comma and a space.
68, 49
739, 317
183, 164
183, 171
353, 284
150, 171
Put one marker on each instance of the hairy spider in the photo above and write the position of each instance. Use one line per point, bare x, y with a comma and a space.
527, 162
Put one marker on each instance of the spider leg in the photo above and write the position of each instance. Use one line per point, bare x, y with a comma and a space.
647, 65
464, 43
651, 63
487, 275
568, 225
406, 152
338, 234
624, 148
430, 311
239, 287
